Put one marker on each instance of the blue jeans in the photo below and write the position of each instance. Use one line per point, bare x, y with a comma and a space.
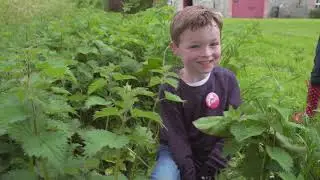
166, 168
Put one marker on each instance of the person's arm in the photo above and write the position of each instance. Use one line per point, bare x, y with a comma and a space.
216, 161
179, 146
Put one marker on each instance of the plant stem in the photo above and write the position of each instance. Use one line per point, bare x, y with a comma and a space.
263, 164
45, 171
117, 168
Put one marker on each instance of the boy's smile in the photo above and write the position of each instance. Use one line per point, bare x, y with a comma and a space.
200, 51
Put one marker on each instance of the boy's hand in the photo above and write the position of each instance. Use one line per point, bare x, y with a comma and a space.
206, 178
298, 117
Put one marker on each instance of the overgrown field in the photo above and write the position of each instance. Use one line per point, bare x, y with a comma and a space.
78, 96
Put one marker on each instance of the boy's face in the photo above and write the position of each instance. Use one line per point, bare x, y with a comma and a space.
200, 50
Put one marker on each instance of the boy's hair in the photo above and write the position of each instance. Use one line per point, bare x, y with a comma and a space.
193, 18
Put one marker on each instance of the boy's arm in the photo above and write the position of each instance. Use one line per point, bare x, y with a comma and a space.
170, 113
216, 161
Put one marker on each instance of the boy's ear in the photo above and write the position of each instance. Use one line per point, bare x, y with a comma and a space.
174, 48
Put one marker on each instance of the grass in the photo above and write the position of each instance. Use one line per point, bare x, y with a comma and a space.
285, 53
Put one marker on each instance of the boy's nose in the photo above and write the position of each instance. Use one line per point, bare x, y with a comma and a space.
207, 51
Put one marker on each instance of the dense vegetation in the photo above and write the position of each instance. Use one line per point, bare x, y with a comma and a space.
78, 94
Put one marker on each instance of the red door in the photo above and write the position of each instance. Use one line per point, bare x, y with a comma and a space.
248, 8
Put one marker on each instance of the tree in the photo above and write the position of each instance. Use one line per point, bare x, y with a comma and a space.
114, 5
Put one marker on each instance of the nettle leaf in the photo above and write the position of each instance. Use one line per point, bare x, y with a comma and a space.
231, 146
87, 50
120, 77
245, 129
95, 140
172, 74
172, 82
66, 128
286, 143
284, 112
75, 165
214, 125
46, 144
172, 97
96, 100
96, 85
281, 156
155, 80
70, 76
105, 112
55, 106
143, 91
141, 135
20, 174
10, 111
137, 113
59, 90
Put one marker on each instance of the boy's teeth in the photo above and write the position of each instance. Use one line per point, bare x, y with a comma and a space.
205, 62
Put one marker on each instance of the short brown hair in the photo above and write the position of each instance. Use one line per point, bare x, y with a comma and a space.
193, 18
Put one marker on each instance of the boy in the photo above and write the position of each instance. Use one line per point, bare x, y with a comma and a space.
185, 152
313, 95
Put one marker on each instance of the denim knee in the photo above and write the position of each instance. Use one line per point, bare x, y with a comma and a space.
166, 168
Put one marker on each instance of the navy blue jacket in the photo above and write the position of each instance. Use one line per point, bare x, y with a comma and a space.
191, 149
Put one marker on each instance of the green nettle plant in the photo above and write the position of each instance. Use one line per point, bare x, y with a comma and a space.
264, 142
79, 96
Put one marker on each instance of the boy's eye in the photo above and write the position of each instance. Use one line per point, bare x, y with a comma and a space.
194, 46
214, 44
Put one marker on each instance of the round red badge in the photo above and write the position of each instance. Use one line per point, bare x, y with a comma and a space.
212, 100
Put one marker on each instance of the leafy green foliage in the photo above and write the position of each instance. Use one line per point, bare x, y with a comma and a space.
281, 156
75, 88
97, 139
78, 98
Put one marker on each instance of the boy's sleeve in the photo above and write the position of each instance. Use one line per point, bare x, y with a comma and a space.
170, 113
234, 97
216, 161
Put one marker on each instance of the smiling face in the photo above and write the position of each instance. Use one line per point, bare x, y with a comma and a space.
200, 50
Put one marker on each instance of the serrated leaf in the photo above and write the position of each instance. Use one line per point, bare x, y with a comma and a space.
245, 129
47, 145
141, 135
120, 77
71, 76
105, 112
95, 140
59, 90
172, 97
143, 91
55, 106
284, 112
172, 74
146, 114
281, 156
96, 85
214, 125
20, 174
231, 146
10, 111
155, 80
77, 97
87, 50
172, 82
96, 100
